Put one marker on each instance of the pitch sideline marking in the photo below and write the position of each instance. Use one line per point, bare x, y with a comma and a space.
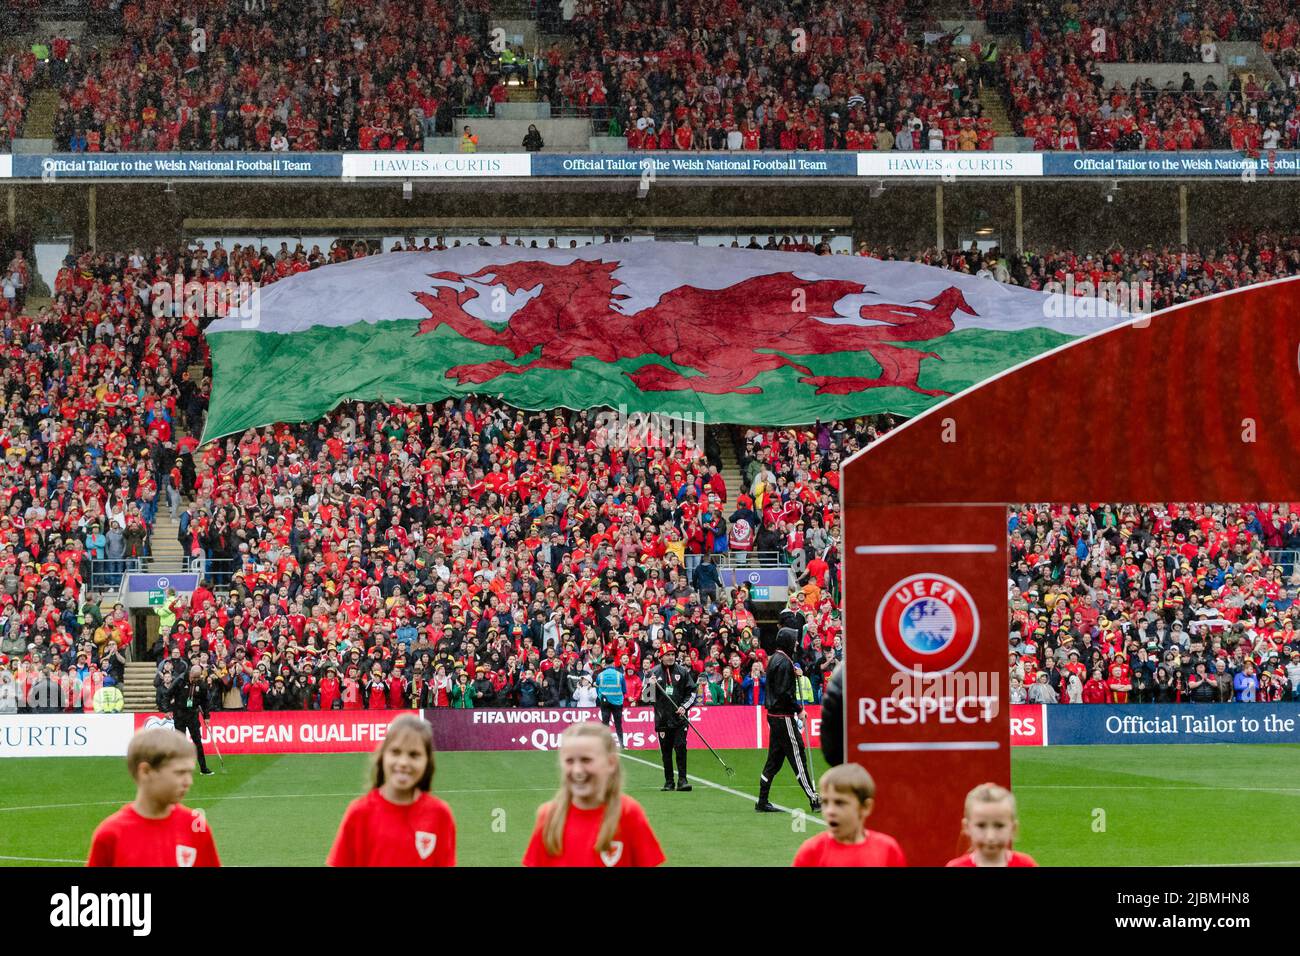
717, 786
264, 796
1178, 866
709, 783
301, 796
39, 859
275, 796
1118, 786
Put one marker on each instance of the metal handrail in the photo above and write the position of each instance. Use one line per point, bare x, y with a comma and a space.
752, 559
106, 573
215, 572
1286, 558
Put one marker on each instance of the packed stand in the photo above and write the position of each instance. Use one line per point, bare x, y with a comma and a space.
702, 76
257, 76
1146, 31
1059, 98
562, 535
18, 72
1154, 604
470, 554
1159, 276
92, 390
1175, 274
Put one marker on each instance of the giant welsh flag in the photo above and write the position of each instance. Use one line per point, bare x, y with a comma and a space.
764, 338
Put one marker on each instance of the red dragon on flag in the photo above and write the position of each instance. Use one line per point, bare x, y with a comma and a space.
729, 335
722, 338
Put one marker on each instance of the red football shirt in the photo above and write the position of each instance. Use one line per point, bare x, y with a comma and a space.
181, 838
377, 832
878, 849
634, 843
1013, 859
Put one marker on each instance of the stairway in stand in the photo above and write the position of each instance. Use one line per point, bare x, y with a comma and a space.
995, 108
165, 551
730, 468
137, 687
41, 111
165, 556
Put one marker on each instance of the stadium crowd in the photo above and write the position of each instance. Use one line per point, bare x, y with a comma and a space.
471, 554
255, 75
1153, 31
1160, 603
466, 553
17, 72
1163, 276
1059, 98
699, 75
258, 76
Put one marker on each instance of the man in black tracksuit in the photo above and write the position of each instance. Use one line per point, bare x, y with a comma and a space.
670, 689
185, 698
785, 736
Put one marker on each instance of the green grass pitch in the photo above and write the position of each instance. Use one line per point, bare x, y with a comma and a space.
1080, 806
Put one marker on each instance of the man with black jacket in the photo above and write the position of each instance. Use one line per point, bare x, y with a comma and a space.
833, 718
485, 691
553, 686
791, 618
785, 737
672, 692
185, 698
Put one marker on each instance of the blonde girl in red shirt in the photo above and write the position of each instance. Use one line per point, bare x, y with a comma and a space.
591, 822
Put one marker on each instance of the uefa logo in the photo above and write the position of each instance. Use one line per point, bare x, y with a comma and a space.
927, 623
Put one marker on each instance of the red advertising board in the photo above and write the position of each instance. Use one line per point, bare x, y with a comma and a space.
1028, 725
533, 728
289, 732
812, 728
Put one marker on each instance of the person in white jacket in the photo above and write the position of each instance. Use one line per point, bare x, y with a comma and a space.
584, 695
1075, 689
551, 632
8, 693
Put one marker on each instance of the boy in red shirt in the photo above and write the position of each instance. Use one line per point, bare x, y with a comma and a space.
591, 822
156, 829
399, 822
848, 796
